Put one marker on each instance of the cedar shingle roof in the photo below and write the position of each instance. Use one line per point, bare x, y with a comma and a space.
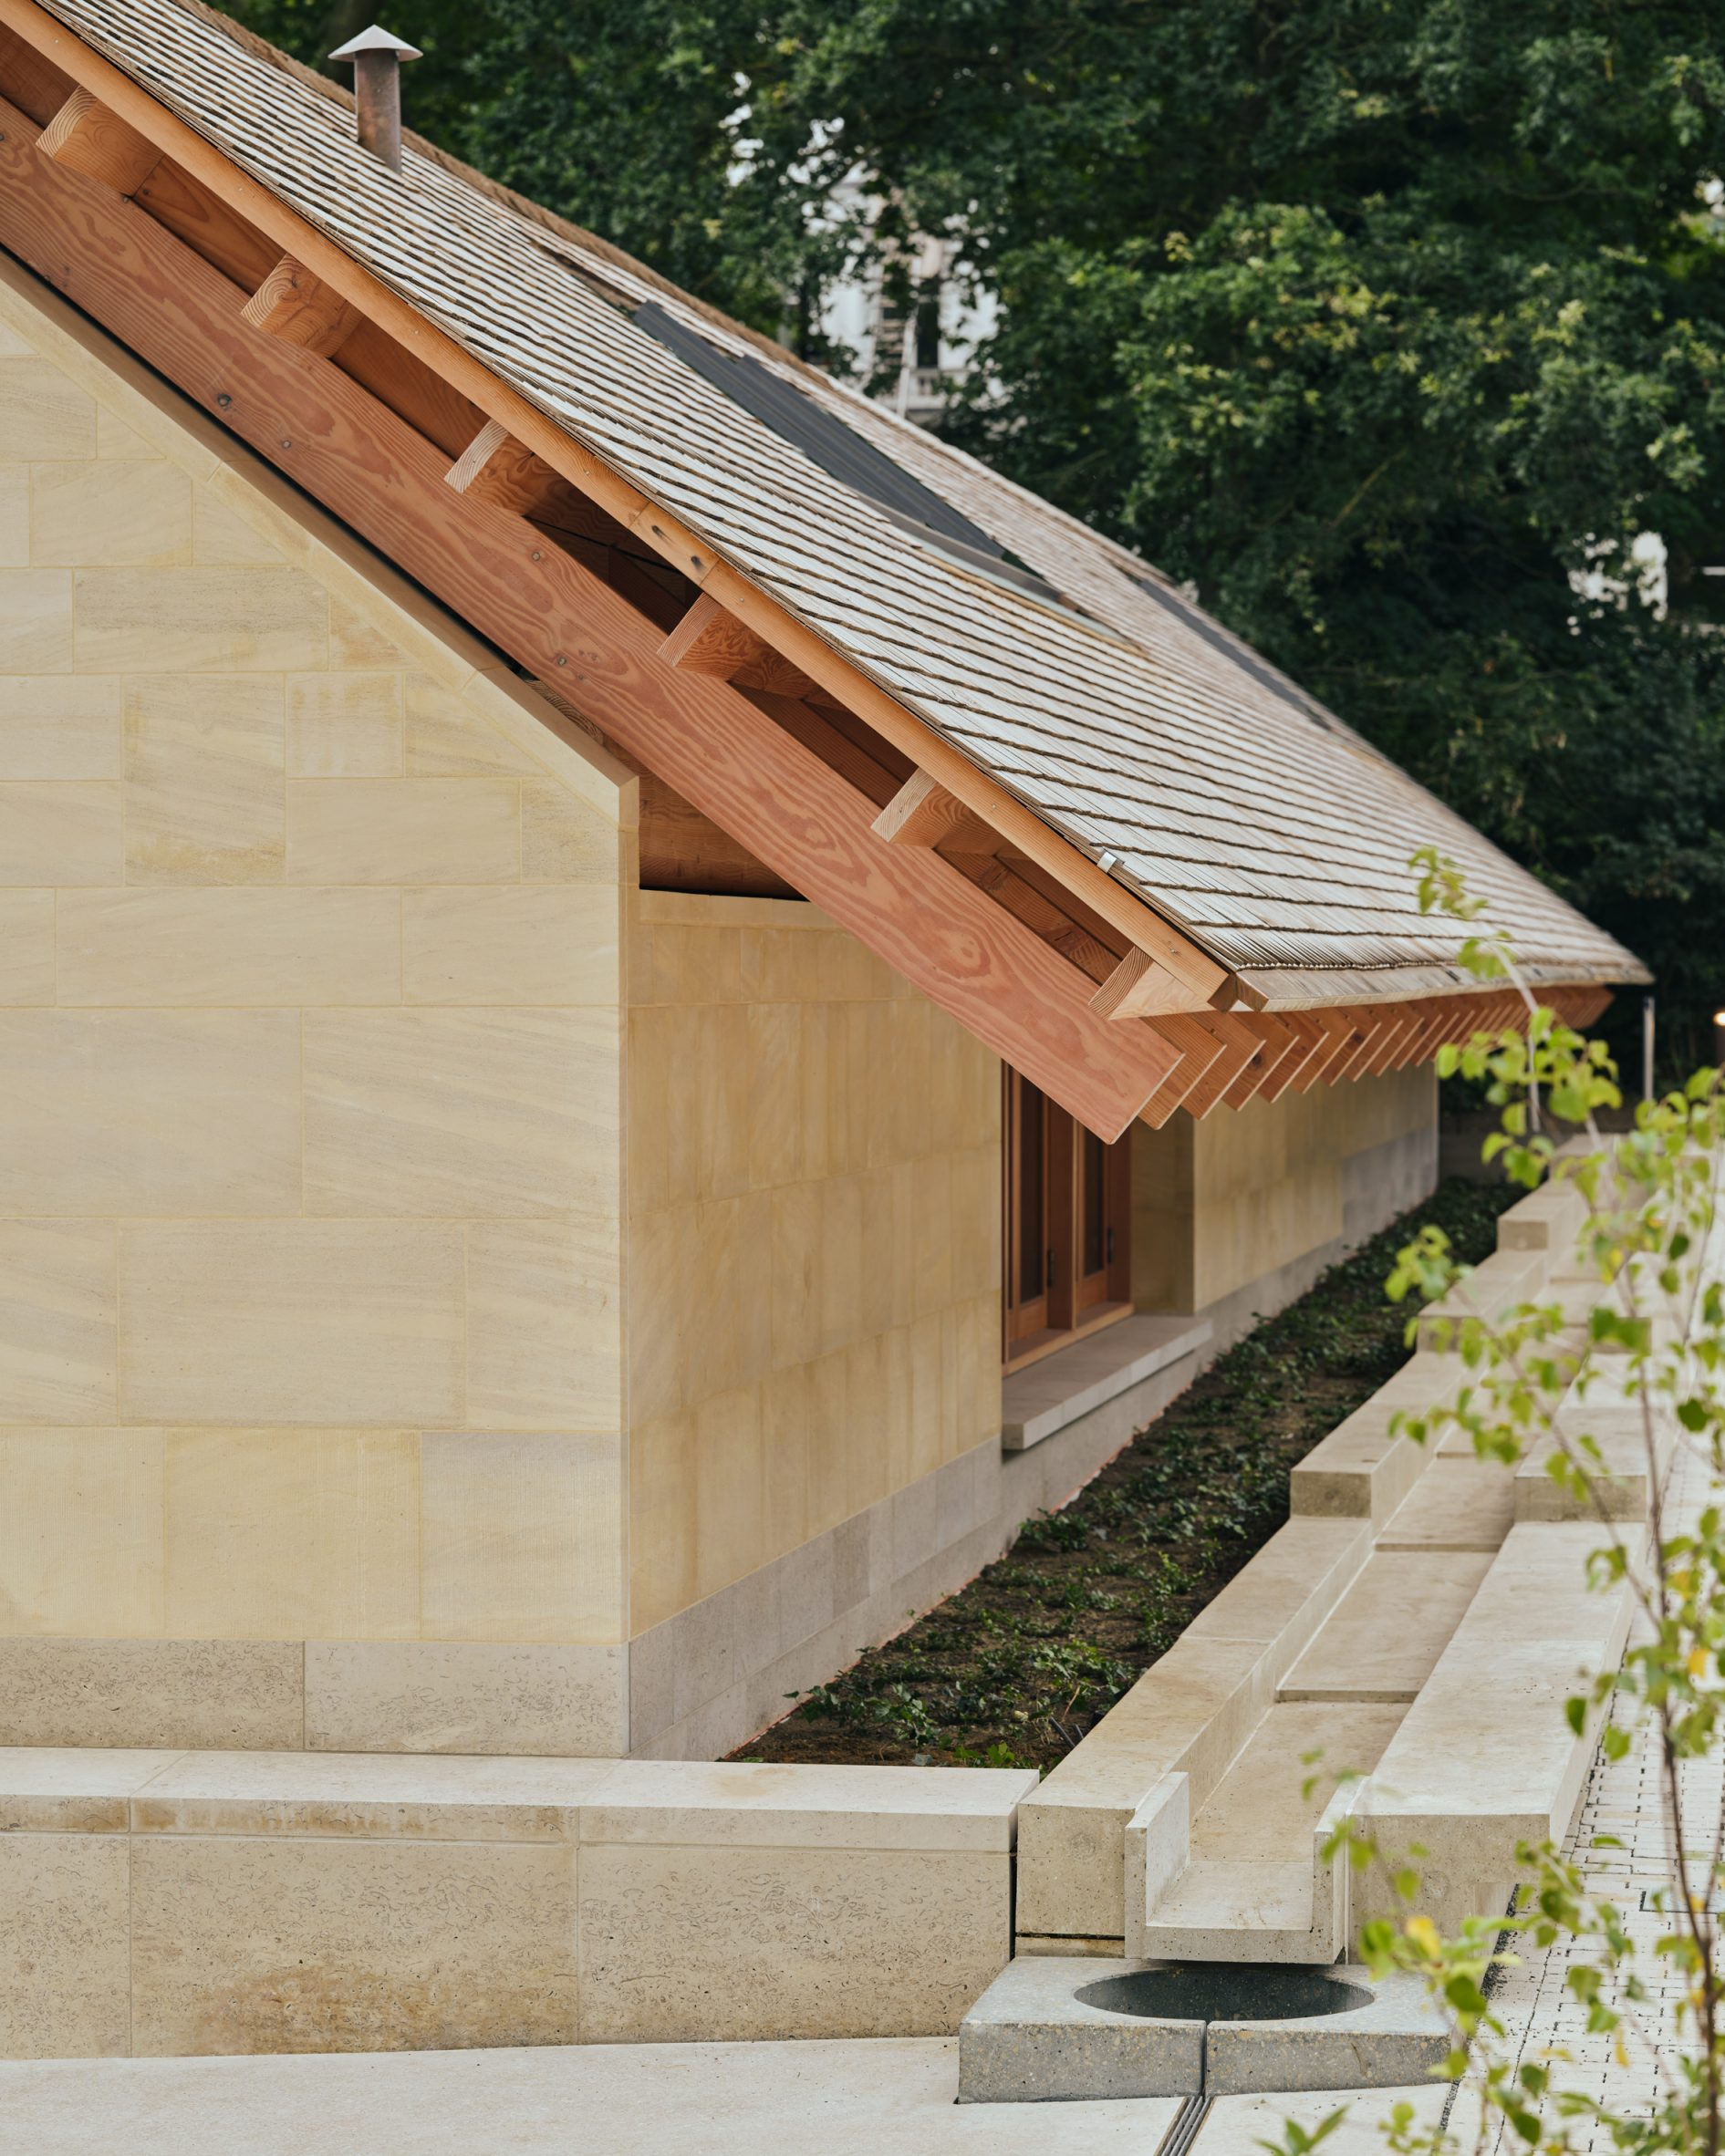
1107, 702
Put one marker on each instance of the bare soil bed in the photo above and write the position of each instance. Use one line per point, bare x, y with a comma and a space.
1015, 1668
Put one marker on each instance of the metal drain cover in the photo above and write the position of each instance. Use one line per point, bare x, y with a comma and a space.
1052, 2028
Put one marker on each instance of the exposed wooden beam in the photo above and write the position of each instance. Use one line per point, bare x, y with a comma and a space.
1137, 922
1339, 1035
1405, 1022
1141, 987
1058, 930
1308, 1041
1278, 1042
85, 136
1428, 1035
556, 618
707, 640
496, 468
33, 81
1239, 1044
1201, 1048
923, 813
1376, 1027
291, 303
681, 850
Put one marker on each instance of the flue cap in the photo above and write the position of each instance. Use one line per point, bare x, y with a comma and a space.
376, 40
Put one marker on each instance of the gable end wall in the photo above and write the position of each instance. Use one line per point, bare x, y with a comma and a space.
311, 1417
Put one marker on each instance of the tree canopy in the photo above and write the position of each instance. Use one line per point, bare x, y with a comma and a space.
1378, 320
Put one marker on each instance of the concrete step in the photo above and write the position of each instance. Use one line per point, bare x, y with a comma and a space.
1605, 1411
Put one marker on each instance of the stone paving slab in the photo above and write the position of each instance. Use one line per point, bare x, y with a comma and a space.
886, 2098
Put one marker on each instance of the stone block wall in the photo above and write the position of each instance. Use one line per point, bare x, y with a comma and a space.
1234, 1215
814, 1240
311, 1419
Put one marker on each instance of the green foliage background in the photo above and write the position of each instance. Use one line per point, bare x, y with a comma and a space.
1368, 316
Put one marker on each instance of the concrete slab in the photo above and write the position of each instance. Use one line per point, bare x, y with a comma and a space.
1036, 2035
400, 1901
1262, 1811
1054, 2030
1241, 2125
866, 2099
1394, 2036
1484, 1758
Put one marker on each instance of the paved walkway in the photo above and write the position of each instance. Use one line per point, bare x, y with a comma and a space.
893, 2098
1624, 1802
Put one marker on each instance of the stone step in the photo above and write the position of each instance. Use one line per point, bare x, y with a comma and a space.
1463, 1504
1484, 1758
1388, 1630
1606, 1410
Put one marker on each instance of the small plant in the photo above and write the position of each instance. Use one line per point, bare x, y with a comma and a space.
1657, 1324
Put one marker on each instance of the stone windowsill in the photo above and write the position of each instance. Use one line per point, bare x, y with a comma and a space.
1049, 1394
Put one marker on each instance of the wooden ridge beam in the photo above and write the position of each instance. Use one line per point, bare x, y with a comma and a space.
293, 305
922, 813
801, 647
553, 615
87, 137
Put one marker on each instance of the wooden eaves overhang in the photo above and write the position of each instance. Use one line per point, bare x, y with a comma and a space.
636, 625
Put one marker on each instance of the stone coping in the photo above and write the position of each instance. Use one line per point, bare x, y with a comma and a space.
1037, 1402
426, 1797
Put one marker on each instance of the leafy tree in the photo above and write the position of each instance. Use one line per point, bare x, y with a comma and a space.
1376, 319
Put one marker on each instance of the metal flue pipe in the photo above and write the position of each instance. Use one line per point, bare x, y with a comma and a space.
376, 56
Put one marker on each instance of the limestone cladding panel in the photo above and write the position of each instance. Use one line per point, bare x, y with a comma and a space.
310, 1242
1248, 1192
64, 1978
245, 1946
814, 1238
